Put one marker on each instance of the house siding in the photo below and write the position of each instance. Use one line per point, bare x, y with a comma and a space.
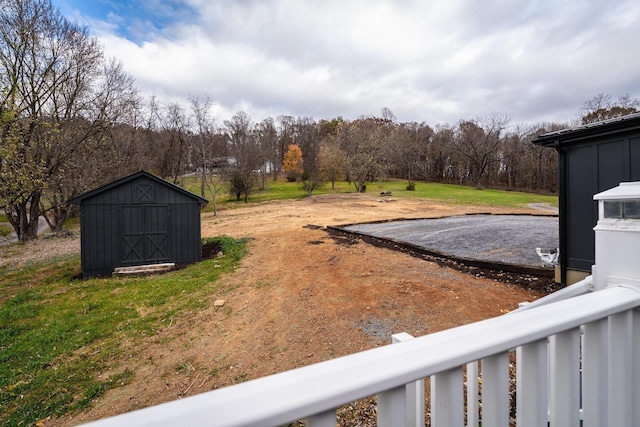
592, 159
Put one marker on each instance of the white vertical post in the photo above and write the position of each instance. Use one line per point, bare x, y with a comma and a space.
392, 407
447, 399
472, 394
635, 356
324, 419
564, 391
595, 373
415, 391
495, 391
532, 384
620, 370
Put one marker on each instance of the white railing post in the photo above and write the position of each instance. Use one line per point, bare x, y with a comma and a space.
620, 370
495, 391
473, 418
415, 390
447, 398
635, 356
594, 373
324, 419
532, 384
564, 391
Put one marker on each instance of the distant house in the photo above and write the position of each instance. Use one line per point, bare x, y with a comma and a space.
138, 220
592, 158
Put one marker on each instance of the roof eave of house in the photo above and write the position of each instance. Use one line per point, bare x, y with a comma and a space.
555, 139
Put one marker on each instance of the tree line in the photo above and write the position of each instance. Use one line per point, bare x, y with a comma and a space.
71, 119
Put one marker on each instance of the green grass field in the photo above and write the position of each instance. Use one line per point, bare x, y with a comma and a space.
5, 230
446, 193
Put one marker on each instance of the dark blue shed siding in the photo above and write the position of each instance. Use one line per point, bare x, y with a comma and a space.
141, 220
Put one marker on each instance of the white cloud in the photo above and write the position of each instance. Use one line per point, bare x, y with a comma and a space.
435, 61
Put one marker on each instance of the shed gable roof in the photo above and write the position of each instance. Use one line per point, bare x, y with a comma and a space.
79, 199
626, 123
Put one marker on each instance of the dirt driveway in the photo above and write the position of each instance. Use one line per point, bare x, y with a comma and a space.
303, 296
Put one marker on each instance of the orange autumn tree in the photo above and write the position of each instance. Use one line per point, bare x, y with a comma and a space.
292, 163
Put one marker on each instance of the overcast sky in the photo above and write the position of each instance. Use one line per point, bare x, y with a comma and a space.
437, 61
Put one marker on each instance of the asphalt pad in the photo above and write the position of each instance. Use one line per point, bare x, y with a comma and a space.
503, 239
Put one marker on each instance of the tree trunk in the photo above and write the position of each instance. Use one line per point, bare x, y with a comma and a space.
24, 217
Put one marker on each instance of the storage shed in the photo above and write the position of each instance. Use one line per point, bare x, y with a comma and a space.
591, 158
138, 220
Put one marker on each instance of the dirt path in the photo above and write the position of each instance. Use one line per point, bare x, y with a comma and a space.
302, 296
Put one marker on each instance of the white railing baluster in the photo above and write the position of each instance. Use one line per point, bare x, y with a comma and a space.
595, 373
532, 385
415, 390
564, 390
472, 394
447, 399
324, 419
392, 407
620, 370
495, 391
415, 403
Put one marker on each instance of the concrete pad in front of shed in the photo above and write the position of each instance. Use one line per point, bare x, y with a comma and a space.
504, 239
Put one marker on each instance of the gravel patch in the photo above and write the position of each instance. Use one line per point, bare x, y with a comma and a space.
506, 239
51, 246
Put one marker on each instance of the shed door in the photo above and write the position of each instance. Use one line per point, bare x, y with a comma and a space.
145, 234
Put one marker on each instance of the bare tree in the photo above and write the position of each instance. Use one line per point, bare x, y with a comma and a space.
363, 142
267, 137
175, 150
105, 155
439, 162
516, 156
388, 115
202, 141
57, 97
602, 107
479, 145
286, 136
203, 144
331, 162
244, 148
409, 150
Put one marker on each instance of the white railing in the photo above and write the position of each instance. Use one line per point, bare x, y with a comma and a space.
575, 359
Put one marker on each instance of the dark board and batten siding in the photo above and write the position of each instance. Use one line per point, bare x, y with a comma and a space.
592, 158
138, 220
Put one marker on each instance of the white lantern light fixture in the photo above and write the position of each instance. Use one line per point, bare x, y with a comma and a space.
618, 236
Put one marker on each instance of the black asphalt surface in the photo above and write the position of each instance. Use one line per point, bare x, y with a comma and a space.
505, 239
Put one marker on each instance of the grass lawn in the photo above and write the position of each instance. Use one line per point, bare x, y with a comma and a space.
5, 230
58, 331
447, 193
